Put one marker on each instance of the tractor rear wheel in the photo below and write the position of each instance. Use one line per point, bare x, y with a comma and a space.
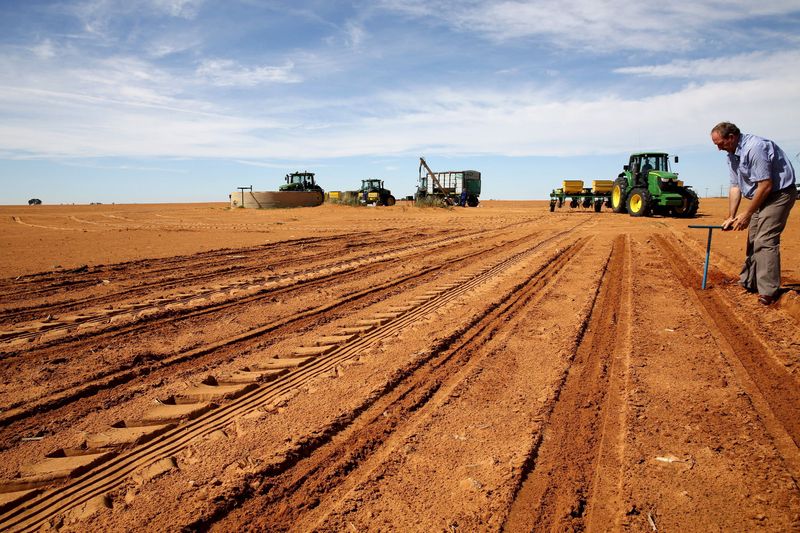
639, 203
689, 207
619, 194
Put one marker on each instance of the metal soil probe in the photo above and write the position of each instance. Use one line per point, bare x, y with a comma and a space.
708, 249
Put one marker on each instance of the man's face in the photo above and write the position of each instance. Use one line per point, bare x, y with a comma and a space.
724, 143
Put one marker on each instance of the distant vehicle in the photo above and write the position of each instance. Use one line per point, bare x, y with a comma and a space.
597, 195
373, 192
300, 190
300, 181
647, 186
34, 201
462, 187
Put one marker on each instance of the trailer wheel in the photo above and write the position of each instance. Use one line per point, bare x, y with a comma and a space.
552, 205
598, 205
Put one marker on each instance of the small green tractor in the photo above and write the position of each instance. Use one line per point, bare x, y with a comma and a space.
300, 181
373, 192
647, 186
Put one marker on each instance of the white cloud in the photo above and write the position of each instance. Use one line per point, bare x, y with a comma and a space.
178, 8
101, 18
44, 50
226, 72
513, 122
754, 65
355, 34
611, 25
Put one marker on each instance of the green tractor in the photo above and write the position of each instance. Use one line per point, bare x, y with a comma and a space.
300, 181
647, 186
373, 192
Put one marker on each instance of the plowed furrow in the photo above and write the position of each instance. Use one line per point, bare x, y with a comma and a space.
774, 390
113, 377
314, 481
344, 266
110, 474
195, 270
116, 378
153, 274
49, 283
555, 492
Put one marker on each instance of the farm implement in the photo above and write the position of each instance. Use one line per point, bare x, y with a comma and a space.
579, 196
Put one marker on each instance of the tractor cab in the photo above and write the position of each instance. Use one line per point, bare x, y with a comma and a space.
300, 181
371, 185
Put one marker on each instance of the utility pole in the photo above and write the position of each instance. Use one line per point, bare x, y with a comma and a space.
706, 192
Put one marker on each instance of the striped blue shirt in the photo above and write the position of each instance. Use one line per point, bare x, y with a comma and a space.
758, 159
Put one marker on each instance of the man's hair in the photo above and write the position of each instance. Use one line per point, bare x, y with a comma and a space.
724, 129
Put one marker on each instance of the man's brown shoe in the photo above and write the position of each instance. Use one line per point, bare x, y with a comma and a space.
763, 299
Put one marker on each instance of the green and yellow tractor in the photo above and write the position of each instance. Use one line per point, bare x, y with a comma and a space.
373, 192
300, 181
647, 186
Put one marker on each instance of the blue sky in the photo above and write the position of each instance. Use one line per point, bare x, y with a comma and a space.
185, 100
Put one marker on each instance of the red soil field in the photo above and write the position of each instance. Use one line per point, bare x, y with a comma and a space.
190, 367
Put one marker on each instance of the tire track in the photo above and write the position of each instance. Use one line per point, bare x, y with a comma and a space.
114, 377
56, 329
308, 484
772, 389
187, 273
110, 474
122, 377
561, 475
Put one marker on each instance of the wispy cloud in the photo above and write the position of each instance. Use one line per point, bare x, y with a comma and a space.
44, 49
755, 65
312, 102
612, 25
515, 122
227, 73
178, 8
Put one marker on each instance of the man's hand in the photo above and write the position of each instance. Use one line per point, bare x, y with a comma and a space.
739, 222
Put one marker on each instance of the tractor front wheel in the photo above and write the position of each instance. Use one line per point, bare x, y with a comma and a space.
618, 195
390, 200
640, 203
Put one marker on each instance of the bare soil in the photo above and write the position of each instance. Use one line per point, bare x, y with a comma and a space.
486, 369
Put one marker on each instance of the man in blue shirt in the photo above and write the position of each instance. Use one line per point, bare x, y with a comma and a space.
761, 172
